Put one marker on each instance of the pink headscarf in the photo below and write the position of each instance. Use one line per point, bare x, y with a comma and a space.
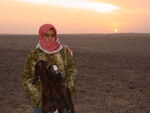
48, 46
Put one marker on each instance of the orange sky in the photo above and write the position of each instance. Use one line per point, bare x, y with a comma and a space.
78, 16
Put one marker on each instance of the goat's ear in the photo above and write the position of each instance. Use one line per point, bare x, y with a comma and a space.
36, 75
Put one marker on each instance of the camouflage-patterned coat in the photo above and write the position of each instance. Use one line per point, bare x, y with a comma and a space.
63, 59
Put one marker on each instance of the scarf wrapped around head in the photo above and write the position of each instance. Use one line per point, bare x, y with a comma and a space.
48, 46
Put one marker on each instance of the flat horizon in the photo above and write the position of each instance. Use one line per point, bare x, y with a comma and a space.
77, 33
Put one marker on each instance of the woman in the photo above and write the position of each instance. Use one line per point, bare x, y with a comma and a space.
49, 49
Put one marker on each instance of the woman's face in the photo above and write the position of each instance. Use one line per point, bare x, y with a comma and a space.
50, 35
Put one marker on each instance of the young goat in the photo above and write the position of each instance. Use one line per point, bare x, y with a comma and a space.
55, 96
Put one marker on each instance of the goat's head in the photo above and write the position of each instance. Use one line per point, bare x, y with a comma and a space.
45, 71
54, 72
51, 70
40, 69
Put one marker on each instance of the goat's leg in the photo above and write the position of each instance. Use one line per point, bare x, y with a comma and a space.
70, 101
43, 111
66, 98
66, 102
69, 104
61, 110
72, 106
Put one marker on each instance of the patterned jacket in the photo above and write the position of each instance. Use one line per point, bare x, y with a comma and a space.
63, 59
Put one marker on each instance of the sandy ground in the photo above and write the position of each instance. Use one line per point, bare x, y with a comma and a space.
114, 72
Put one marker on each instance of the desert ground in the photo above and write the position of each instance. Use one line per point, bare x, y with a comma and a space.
113, 72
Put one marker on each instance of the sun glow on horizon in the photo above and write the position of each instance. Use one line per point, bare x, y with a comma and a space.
79, 4
116, 30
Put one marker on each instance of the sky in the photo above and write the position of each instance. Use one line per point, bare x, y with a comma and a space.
75, 16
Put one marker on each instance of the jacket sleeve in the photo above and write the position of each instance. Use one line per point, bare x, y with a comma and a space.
32, 91
70, 71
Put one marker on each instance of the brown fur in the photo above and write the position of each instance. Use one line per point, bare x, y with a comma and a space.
54, 94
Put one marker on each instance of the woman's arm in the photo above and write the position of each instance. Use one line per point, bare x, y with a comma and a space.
70, 71
32, 91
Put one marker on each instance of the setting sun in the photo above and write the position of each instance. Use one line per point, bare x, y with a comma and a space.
116, 30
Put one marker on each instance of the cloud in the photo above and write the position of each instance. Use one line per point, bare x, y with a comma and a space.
78, 4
